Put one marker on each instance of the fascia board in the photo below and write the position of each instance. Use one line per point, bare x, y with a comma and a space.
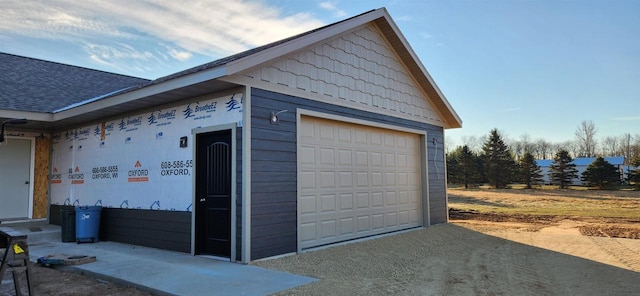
29, 115
300, 43
143, 92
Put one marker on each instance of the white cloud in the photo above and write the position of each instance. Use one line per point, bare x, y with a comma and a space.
180, 55
331, 6
119, 56
133, 30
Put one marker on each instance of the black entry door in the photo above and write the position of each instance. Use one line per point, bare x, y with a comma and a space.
213, 193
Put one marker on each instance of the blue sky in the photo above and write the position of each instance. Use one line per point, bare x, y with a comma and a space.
525, 67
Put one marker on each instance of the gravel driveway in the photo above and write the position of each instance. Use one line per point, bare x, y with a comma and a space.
451, 260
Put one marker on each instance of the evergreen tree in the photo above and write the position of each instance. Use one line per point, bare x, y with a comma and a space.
464, 166
453, 168
601, 173
530, 172
562, 171
467, 161
499, 166
633, 176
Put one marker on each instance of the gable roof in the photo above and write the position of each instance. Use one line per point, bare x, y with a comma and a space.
209, 77
29, 84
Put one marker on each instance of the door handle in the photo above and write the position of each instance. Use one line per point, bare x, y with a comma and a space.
203, 199
26, 182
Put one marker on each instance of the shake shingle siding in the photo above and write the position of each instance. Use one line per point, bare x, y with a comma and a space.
274, 168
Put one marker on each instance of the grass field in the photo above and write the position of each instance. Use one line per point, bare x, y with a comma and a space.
599, 212
576, 203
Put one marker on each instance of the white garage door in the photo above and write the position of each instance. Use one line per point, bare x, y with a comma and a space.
355, 181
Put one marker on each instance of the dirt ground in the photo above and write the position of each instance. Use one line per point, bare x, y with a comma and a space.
476, 254
50, 281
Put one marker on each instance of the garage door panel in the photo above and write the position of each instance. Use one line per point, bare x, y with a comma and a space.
377, 179
391, 219
362, 179
327, 156
414, 216
390, 198
307, 155
326, 133
307, 180
328, 179
362, 158
403, 197
345, 179
389, 160
346, 201
403, 179
403, 217
377, 199
328, 202
362, 199
355, 181
344, 157
346, 226
328, 228
390, 179
377, 221
308, 232
363, 223
308, 205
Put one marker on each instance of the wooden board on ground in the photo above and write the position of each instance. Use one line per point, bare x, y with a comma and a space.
63, 259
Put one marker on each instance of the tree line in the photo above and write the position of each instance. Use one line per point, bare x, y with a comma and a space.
497, 164
585, 144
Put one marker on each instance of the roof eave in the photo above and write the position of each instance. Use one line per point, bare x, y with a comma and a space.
29, 115
142, 92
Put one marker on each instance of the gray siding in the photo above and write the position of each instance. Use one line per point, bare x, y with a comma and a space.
274, 168
168, 230
238, 238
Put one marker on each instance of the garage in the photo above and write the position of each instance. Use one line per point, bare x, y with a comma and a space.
356, 180
336, 134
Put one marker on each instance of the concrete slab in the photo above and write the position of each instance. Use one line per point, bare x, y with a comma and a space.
170, 273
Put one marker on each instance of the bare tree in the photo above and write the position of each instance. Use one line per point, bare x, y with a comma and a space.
610, 146
527, 144
625, 147
449, 145
585, 137
475, 143
571, 146
543, 149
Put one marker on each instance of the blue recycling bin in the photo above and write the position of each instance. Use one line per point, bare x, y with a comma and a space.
87, 223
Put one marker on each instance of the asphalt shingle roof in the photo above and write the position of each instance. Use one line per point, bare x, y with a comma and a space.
28, 84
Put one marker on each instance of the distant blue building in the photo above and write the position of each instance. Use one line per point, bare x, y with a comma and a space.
581, 165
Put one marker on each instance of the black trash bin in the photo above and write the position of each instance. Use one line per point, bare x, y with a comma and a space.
88, 223
68, 225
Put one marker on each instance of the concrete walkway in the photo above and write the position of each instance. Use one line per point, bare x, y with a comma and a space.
163, 272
